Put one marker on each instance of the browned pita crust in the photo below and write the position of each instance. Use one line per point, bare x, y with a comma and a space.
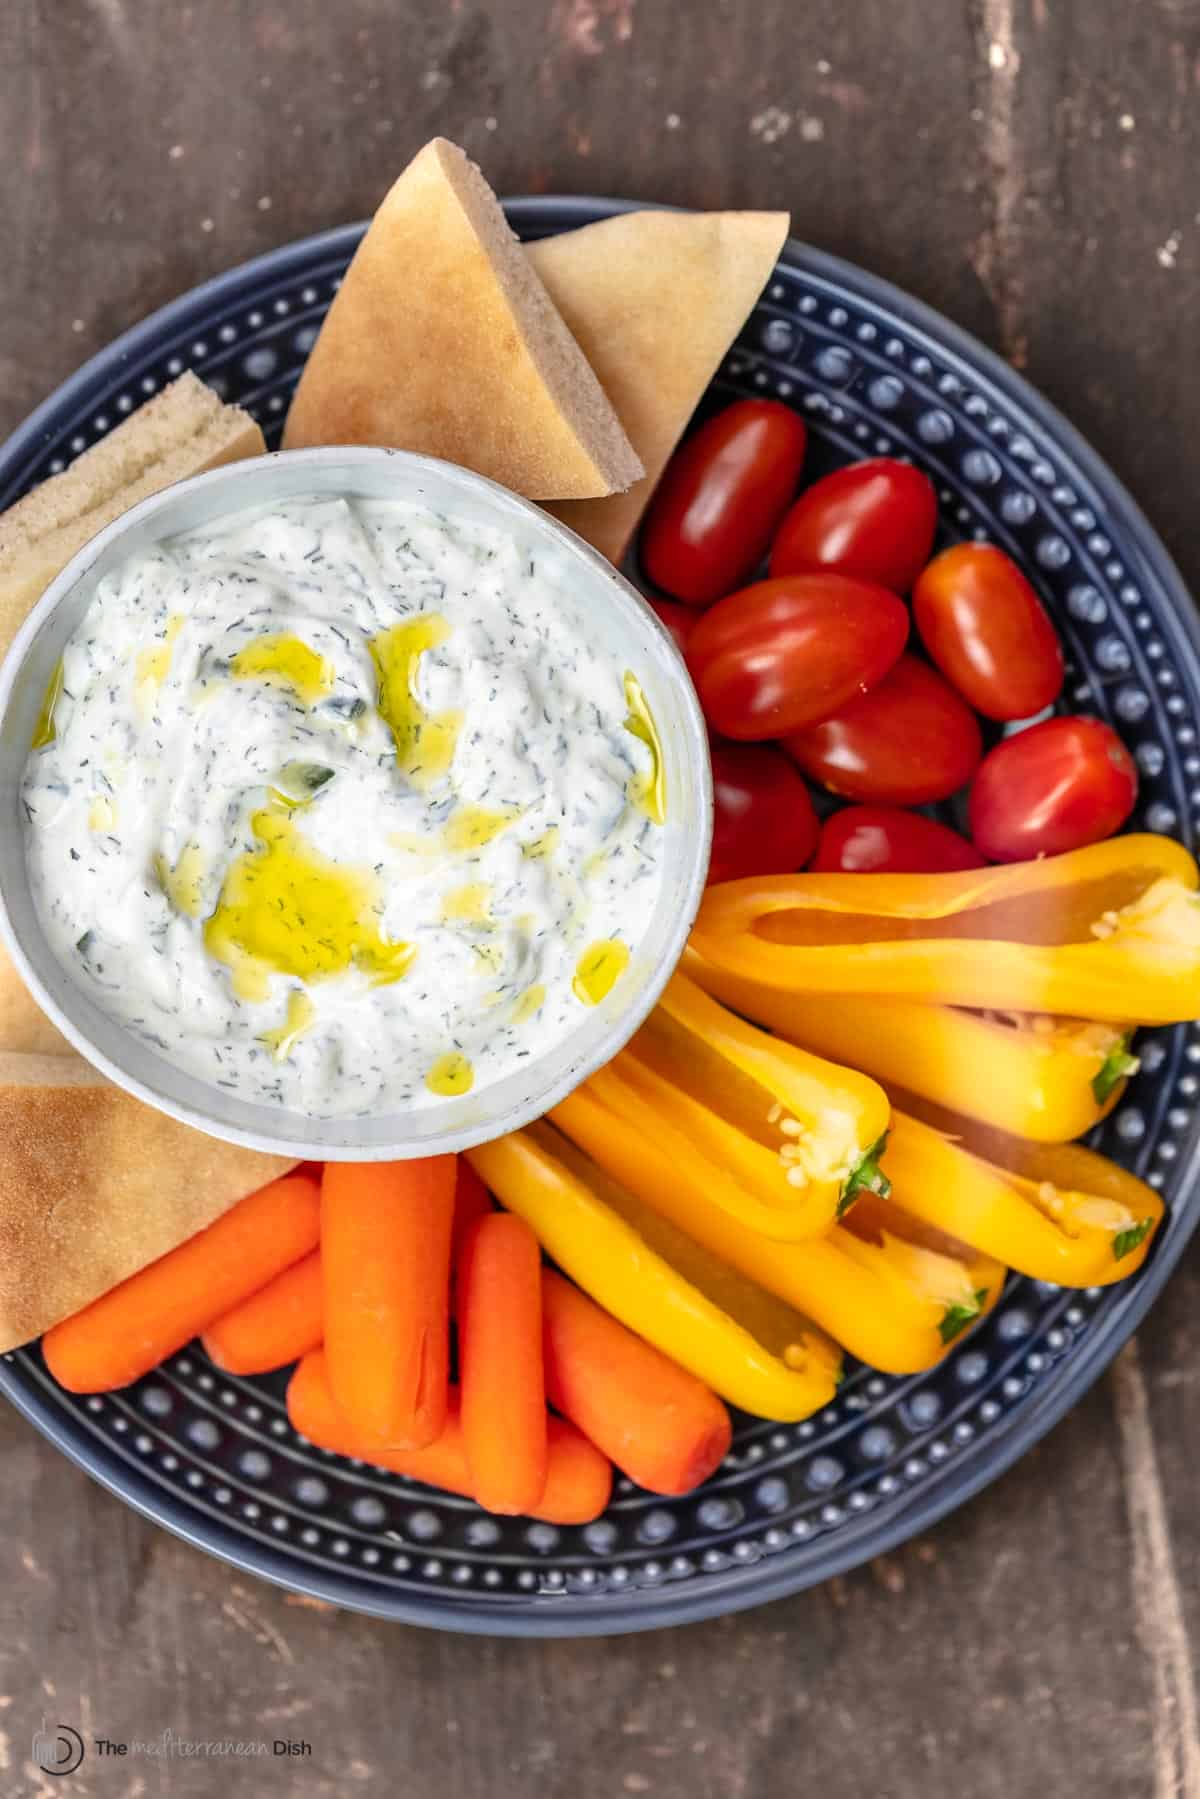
441, 339
182, 431
24, 1028
655, 299
94, 1185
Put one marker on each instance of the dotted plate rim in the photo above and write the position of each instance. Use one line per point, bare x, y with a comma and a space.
940, 1488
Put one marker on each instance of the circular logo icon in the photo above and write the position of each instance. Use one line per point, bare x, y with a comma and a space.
57, 1750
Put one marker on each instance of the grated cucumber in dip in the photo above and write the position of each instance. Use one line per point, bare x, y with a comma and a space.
340, 806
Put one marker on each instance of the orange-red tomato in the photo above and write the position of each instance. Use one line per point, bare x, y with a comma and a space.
908, 741
988, 632
720, 498
1058, 786
874, 520
764, 823
781, 654
886, 840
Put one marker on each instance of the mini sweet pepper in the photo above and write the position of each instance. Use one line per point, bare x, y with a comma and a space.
1111, 932
794, 1136
1055, 1211
890, 1290
1033, 1075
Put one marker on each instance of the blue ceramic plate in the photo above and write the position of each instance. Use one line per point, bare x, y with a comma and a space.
214, 1458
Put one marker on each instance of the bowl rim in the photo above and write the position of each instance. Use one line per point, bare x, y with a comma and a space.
696, 773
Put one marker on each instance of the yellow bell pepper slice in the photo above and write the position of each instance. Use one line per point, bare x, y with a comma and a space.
795, 1135
891, 1291
1055, 1211
915, 1262
750, 1347
1048, 1079
1111, 932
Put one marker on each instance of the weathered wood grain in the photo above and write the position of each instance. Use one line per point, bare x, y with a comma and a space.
1029, 166
1004, 1644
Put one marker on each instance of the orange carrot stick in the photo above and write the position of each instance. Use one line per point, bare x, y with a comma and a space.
287, 1318
128, 1331
275, 1326
500, 1363
471, 1202
385, 1256
578, 1477
661, 1426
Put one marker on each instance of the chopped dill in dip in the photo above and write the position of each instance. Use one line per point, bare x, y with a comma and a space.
341, 807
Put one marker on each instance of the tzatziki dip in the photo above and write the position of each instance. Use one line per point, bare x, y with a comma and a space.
341, 806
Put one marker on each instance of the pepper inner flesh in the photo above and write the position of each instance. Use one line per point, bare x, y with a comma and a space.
1069, 1184
685, 1059
1077, 1216
1050, 1030
710, 1097
873, 1217
1052, 917
928, 1260
770, 1321
1071, 1168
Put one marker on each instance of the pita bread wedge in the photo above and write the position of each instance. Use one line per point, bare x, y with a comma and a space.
94, 1185
441, 339
24, 1027
655, 299
182, 431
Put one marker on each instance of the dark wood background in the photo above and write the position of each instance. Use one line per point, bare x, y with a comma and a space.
1029, 166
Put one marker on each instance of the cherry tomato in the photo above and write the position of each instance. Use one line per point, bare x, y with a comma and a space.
782, 654
909, 740
883, 839
678, 620
1055, 787
764, 823
988, 632
722, 495
874, 520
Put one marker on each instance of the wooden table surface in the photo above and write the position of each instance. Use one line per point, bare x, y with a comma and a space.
1028, 166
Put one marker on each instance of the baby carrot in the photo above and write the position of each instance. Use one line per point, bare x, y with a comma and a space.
385, 1258
286, 1318
500, 1362
578, 1477
129, 1330
471, 1202
275, 1326
661, 1426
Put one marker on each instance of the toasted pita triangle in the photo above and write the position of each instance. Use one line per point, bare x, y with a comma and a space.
654, 300
182, 431
94, 1185
441, 339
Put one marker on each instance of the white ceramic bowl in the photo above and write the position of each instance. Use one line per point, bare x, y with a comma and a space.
625, 626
